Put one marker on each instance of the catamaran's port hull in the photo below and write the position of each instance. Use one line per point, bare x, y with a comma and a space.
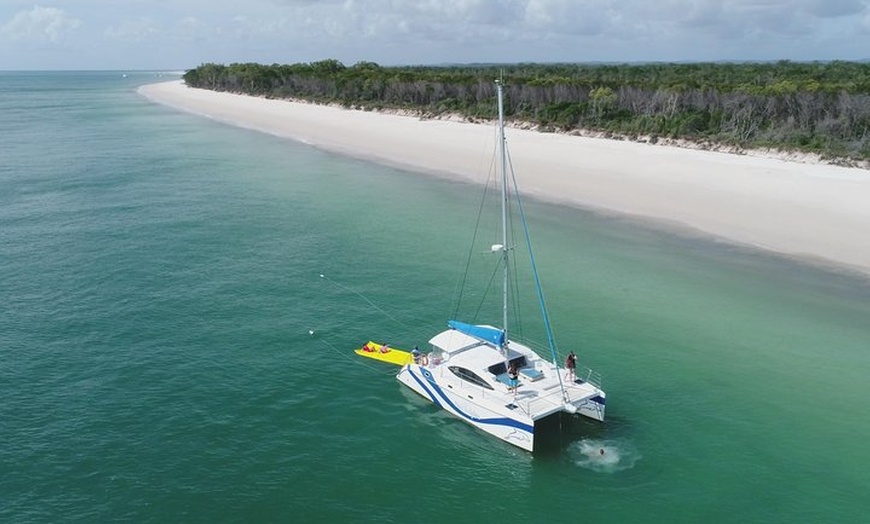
491, 415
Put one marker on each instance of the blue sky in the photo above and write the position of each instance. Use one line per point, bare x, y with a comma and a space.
179, 34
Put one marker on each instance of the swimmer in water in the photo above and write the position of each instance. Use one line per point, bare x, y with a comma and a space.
601, 451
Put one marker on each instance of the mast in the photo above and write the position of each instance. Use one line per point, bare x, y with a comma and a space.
504, 207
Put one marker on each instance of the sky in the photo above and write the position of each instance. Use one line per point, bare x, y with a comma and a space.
181, 34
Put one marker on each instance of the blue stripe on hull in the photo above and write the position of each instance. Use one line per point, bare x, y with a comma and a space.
502, 421
426, 389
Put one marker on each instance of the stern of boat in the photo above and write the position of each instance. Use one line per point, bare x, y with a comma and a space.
586, 396
592, 407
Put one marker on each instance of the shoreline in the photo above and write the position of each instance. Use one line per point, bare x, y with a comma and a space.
818, 213
682, 143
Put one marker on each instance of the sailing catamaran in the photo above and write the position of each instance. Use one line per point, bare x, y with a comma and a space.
480, 375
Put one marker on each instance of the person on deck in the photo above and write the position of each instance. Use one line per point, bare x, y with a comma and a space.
513, 376
570, 365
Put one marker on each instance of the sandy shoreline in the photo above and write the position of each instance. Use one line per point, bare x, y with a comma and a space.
819, 212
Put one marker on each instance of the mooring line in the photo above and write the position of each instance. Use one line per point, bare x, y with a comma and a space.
369, 302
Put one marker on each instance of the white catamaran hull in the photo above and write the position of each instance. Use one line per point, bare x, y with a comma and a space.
472, 405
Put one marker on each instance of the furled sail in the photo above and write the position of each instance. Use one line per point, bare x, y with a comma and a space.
486, 333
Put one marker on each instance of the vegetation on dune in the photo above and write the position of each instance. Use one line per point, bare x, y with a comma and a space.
819, 107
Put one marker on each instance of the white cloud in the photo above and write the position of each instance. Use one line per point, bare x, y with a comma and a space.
186, 32
568, 17
256, 28
136, 29
193, 28
40, 24
835, 8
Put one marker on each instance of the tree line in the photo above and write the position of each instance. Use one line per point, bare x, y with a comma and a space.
818, 107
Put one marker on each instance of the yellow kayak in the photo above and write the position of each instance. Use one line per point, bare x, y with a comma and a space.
384, 353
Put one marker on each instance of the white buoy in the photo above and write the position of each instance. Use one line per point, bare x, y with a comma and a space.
311, 332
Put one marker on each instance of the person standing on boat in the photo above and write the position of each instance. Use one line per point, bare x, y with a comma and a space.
570, 365
513, 377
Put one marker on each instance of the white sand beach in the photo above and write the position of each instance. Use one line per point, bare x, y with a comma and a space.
812, 211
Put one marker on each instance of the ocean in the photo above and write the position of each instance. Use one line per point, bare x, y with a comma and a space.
181, 298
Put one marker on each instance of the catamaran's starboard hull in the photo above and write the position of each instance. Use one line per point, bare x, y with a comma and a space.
593, 408
511, 429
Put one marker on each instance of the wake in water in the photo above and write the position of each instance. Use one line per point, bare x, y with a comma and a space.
604, 456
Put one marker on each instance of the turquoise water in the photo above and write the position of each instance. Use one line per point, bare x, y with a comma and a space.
161, 274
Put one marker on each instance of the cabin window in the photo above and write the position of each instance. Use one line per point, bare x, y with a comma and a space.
469, 376
500, 368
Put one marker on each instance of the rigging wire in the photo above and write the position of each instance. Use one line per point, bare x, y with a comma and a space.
540, 291
514, 290
489, 285
458, 292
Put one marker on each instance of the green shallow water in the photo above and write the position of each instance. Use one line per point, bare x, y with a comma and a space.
161, 273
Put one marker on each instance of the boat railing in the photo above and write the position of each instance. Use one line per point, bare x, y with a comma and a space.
549, 401
583, 373
588, 375
527, 405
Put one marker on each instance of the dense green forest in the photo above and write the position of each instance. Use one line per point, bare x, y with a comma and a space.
818, 107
